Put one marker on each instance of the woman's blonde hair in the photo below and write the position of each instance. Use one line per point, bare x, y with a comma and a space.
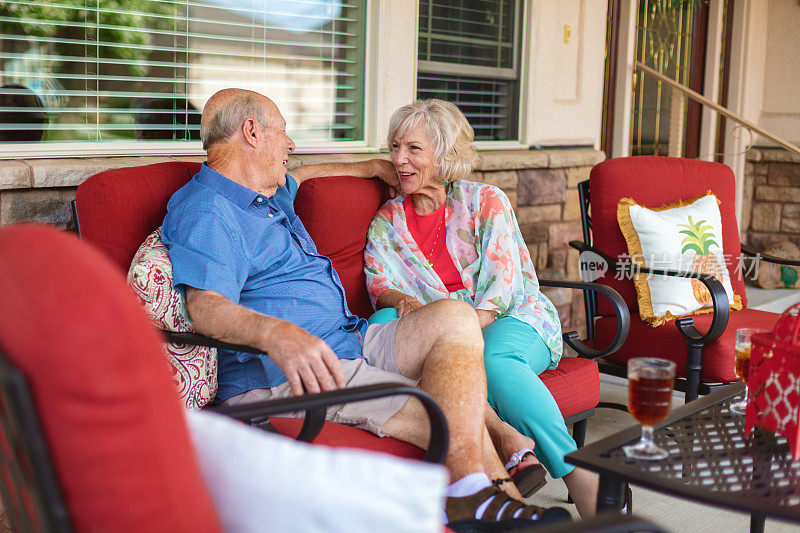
448, 130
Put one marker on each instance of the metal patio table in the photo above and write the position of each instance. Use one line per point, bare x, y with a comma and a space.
710, 461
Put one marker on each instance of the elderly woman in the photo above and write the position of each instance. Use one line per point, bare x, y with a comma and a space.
445, 237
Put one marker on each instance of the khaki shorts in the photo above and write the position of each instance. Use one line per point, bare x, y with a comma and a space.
380, 367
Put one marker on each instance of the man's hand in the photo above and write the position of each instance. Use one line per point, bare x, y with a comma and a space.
305, 359
384, 170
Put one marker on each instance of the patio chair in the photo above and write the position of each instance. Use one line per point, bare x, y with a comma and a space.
91, 435
117, 209
704, 360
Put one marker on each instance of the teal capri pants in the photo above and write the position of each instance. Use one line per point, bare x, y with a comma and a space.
514, 356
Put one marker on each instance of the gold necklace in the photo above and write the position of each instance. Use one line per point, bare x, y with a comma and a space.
435, 240
448, 186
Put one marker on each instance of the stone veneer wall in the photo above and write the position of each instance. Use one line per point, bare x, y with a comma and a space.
771, 199
540, 184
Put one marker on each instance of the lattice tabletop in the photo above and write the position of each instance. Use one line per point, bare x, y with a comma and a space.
710, 459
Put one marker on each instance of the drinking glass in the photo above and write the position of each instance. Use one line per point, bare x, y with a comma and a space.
741, 364
650, 382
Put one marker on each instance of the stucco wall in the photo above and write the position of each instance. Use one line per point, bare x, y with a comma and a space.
565, 100
780, 112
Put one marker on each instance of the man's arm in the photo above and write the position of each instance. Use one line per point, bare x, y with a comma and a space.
305, 359
373, 168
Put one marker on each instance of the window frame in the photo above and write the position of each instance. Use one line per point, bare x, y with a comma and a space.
521, 54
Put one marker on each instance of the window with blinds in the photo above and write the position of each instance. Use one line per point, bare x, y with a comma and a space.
141, 70
468, 54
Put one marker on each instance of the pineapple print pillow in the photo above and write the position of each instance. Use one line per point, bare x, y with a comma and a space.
685, 236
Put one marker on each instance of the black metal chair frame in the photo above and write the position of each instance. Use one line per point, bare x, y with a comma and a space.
692, 385
27, 461
578, 421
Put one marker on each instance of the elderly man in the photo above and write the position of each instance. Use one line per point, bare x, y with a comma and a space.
252, 275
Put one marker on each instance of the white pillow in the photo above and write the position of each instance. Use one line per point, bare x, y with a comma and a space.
681, 236
265, 482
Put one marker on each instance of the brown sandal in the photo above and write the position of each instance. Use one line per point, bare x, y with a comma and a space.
464, 508
529, 479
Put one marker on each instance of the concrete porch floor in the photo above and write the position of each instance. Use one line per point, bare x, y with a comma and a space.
675, 514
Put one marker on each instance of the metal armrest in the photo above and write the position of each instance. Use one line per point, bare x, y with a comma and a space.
315, 404
572, 339
195, 339
719, 298
437, 445
751, 252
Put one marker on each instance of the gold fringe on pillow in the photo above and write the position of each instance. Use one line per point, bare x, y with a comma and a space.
643, 295
656, 321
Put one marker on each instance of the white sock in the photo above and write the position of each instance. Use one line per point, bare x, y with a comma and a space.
468, 485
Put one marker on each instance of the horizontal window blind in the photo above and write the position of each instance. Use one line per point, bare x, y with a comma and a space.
468, 55
489, 105
110, 70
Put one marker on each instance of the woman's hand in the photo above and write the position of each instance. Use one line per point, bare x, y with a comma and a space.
407, 304
486, 317
404, 303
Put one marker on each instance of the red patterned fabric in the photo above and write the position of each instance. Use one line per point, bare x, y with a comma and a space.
575, 384
337, 211
118, 209
194, 368
668, 343
107, 407
653, 181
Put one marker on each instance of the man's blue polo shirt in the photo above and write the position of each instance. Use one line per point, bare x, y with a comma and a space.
254, 251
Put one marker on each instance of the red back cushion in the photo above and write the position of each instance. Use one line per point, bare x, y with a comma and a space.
337, 211
118, 209
653, 181
102, 391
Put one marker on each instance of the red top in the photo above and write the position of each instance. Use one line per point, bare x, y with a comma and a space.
429, 232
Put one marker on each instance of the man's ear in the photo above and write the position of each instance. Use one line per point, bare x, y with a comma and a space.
250, 132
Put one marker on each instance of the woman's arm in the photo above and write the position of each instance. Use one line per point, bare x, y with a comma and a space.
400, 301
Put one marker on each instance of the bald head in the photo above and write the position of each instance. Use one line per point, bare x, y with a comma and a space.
226, 111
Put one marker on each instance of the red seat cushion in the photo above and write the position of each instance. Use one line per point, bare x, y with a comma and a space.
105, 401
337, 211
575, 384
119, 208
667, 342
339, 436
654, 181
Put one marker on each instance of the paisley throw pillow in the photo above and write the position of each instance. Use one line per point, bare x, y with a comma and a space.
194, 368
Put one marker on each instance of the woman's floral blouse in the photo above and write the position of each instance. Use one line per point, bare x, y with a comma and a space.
484, 240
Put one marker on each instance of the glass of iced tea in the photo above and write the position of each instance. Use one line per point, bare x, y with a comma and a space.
650, 383
741, 364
